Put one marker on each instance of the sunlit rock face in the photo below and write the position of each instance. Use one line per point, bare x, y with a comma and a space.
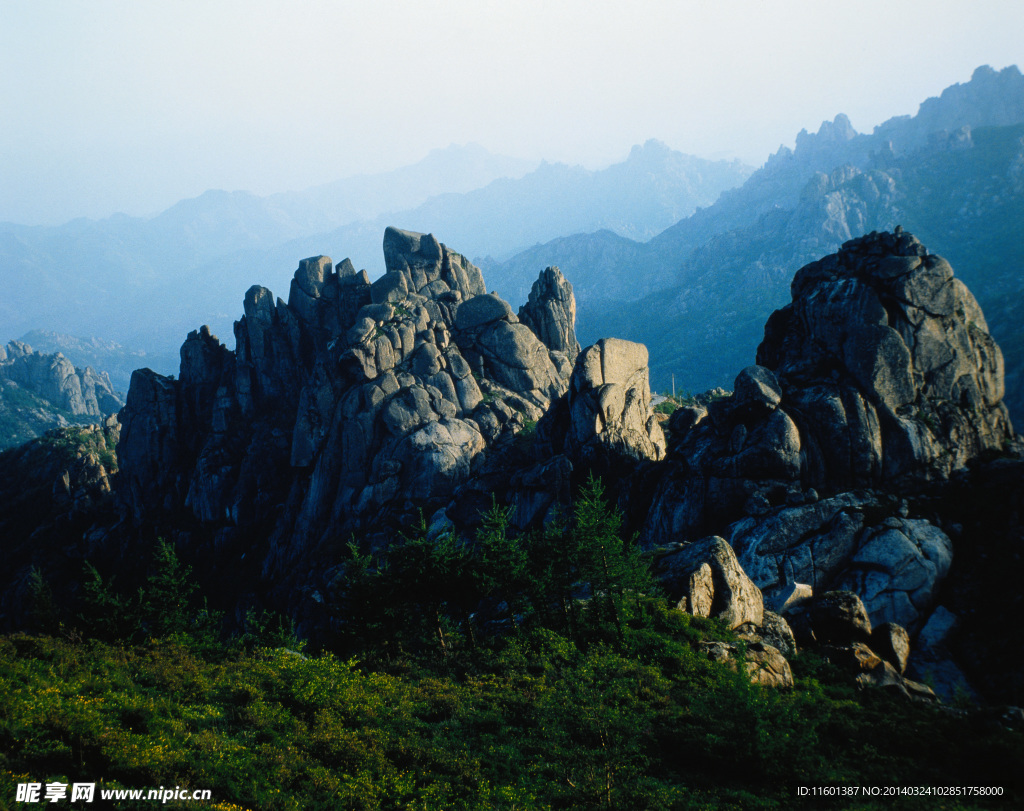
885, 359
81, 392
604, 422
352, 408
878, 378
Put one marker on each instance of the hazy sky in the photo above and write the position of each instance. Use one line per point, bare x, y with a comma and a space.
129, 106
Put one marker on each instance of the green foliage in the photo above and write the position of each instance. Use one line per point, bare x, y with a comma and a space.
74, 442
44, 615
107, 613
25, 415
594, 694
167, 600
167, 604
268, 629
669, 405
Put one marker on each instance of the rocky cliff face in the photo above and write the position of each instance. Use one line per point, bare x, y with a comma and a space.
351, 409
82, 392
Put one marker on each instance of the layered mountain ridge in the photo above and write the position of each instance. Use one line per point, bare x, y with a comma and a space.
706, 285
129, 274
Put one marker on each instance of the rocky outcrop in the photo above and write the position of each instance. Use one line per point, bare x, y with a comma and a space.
895, 564
80, 392
39, 392
605, 420
705, 579
58, 503
550, 312
880, 372
352, 408
887, 364
764, 664
878, 379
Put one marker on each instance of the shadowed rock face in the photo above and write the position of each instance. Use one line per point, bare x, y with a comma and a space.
350, 408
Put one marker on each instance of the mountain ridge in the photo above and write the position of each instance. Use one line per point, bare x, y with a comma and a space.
757, 235
210, 245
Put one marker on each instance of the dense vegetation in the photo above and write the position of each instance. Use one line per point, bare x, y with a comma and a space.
513, 673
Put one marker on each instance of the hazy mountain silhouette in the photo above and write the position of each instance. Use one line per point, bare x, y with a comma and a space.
142, 282
699, 292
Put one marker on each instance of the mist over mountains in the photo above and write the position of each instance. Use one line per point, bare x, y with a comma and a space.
685, 255
701, 290
145, 282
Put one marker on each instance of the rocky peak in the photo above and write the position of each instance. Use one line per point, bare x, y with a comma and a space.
877, 379
351, 407
990, 99
838, 130
550, 312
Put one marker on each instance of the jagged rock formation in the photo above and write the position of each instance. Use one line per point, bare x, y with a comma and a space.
887, 361
550, 311
879, 377
39, 392
81, 392
349, 409
116, 360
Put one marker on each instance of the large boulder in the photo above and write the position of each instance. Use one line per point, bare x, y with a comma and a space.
764, 664
606, 419
880, 373
887, 359
848, 542
705, 579
878, 379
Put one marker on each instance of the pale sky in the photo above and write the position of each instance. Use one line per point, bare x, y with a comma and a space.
130, 106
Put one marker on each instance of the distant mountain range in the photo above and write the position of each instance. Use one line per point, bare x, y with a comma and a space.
685, 255
698, 293
143, 283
